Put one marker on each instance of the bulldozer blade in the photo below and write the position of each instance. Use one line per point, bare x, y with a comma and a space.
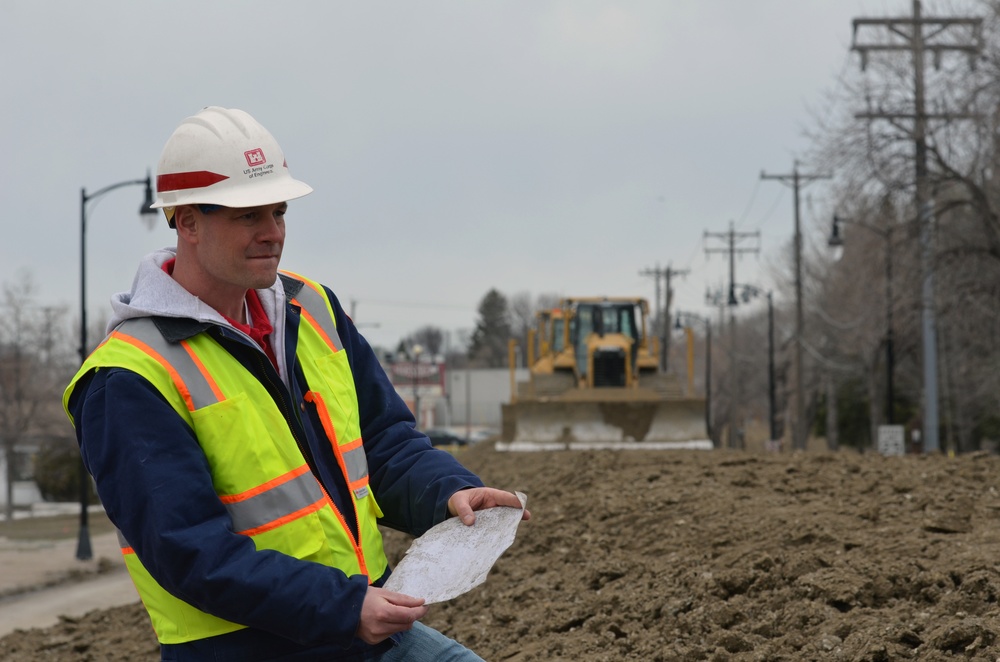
565, 423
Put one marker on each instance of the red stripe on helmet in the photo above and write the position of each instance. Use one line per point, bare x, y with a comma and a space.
178, 181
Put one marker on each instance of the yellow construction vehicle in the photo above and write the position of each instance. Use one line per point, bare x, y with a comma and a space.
599, 384
552, 369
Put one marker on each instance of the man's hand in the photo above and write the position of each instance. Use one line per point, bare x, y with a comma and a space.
384, 613
464, 503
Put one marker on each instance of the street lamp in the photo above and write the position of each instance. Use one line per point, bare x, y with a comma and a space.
687, 319
886, 233
83, 547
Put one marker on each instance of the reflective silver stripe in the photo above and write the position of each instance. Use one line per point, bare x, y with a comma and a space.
355, 460
275, 503
121, 539
315, 304
144, 330
356, 463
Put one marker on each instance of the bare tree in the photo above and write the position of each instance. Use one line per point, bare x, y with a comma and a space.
33, 367
431, 338
866, 138
521, 310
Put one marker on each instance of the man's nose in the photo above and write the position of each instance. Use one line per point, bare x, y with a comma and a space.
273, 229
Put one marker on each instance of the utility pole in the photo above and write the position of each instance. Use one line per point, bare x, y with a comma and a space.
908, 34
800, 427
732, 237
663, 316
732, 250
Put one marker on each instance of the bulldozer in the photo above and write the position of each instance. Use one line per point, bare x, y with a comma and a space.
595, 382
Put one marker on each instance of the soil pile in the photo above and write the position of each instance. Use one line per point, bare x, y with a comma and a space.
703, 555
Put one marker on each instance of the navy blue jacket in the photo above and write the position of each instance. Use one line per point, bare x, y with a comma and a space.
155, 485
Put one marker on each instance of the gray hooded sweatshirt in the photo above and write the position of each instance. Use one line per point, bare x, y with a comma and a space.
155, 294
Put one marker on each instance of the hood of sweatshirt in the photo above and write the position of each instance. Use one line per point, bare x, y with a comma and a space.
155, 294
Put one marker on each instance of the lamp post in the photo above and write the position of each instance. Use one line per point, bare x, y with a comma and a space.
718, 299
417, 350
772, 409
772, 418
83, 547
886, 233
687, 319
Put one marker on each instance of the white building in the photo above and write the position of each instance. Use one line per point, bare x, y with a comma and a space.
460, 398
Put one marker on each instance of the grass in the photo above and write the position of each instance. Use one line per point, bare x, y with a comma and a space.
54, 527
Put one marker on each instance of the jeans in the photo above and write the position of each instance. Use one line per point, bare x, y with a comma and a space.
424, 644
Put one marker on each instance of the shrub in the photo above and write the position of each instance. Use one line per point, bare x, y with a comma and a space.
57, 471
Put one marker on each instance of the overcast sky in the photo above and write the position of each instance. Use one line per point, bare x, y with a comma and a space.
547, 146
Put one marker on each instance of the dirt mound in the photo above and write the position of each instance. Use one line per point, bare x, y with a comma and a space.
704, 555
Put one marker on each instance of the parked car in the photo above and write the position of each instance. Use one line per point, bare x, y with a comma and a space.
441, 437
483, 434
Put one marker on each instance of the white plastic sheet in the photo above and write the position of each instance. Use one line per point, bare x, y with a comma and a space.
453, 558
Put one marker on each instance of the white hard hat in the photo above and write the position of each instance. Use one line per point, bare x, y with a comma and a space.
223, 156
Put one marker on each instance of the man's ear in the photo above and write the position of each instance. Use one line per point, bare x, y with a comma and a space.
186, 222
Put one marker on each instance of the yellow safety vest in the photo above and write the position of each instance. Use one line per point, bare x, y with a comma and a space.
262, 479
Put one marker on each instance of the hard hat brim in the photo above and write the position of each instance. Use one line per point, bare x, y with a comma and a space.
282, 190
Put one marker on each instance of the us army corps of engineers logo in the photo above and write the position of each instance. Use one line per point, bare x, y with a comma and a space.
259, 167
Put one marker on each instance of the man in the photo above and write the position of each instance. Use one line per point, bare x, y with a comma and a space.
243, 437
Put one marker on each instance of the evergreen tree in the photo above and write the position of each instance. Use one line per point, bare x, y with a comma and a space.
488, 348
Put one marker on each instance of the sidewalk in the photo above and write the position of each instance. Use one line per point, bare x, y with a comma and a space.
41, 580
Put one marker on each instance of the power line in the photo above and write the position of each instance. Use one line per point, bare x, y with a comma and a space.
753, 197
415, 304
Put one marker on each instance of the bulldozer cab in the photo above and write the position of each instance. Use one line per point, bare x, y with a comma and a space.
607, 336
550, 327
